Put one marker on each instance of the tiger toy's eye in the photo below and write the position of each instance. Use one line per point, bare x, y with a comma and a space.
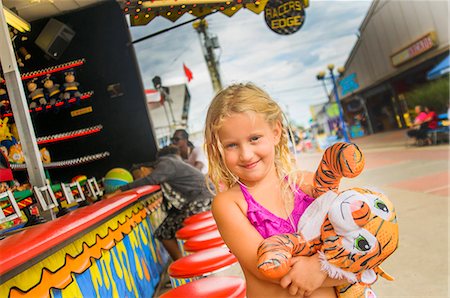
361, 243
381, 205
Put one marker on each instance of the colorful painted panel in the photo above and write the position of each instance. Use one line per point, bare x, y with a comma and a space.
120, 258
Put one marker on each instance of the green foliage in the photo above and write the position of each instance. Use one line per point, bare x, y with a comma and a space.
433, 94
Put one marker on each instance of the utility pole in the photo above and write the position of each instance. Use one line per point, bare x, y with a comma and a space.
209, 43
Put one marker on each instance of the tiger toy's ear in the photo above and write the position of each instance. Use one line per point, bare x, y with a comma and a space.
339, 160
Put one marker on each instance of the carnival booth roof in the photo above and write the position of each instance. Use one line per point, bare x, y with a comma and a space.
439, 70
141, 12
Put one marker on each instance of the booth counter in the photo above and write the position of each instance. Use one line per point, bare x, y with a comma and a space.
102, 250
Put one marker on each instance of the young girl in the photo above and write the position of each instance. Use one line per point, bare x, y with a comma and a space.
259, 196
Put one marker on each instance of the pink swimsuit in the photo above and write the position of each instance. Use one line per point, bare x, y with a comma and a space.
267, 223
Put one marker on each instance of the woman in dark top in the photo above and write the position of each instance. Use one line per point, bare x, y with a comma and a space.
184, 190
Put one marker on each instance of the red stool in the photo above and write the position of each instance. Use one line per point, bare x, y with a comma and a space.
224, 286
199, 265
197, 217
193, 230
204, 241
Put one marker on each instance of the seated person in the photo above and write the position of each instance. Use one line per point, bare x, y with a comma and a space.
429, 122
419, 124
185, 193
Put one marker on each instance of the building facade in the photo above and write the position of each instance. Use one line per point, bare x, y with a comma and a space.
399, 42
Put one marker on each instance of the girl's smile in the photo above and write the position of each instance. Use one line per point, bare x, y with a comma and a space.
248, 143
251, 165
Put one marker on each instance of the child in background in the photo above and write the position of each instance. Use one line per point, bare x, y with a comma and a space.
259, 191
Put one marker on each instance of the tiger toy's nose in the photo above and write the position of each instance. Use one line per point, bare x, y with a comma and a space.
360, 212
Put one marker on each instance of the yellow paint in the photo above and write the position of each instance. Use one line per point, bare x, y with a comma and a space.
78, 257
72, 290
80, 112
135, 243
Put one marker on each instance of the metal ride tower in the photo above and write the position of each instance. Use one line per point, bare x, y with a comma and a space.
209, 44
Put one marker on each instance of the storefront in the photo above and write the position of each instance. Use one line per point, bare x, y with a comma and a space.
399, 42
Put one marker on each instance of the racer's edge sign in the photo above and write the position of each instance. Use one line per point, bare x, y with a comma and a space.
285, 17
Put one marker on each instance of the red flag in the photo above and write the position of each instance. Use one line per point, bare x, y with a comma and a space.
188, 73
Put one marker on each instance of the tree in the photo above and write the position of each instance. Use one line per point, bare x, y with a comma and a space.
434, 94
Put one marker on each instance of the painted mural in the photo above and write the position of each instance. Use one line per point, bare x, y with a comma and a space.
120, 258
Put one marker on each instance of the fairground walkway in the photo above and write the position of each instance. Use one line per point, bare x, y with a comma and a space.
417, 181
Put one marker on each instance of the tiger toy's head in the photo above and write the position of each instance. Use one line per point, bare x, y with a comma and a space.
359, 233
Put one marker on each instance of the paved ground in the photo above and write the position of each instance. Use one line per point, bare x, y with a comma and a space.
417, 181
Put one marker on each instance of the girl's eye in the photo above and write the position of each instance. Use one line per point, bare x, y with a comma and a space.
229, 146
255, 138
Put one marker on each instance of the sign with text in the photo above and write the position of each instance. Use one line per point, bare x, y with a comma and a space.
285, 17
348, 84
418, 47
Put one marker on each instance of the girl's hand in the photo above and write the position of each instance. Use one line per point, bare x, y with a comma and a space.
304, 277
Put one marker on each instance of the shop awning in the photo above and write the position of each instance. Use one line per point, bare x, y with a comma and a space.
142, 12
439, 70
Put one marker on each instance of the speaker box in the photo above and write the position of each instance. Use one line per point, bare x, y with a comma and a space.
54, 38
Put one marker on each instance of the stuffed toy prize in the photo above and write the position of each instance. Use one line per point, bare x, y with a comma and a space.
353, 231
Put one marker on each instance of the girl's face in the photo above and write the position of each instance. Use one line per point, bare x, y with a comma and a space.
249, 142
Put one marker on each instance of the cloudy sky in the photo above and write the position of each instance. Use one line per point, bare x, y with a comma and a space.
284, 65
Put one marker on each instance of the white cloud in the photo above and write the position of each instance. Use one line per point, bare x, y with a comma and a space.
286, 66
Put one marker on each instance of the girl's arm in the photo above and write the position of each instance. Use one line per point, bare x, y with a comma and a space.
306, 276
237, 232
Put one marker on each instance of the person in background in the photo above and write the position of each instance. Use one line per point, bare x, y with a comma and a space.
427, 123
185, 192
191, 154
432, 118
419, 123
260, 193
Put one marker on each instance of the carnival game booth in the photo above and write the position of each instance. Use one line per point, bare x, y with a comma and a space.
81, 86
103, 250
95, 121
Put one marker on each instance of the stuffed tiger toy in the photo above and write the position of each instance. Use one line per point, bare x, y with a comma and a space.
353, 231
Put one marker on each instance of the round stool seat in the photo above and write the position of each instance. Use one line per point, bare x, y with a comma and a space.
204, 241
202, 263
226, 286
197, 217
197, 228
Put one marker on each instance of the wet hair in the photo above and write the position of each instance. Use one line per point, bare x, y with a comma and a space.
167, 150
242, 98
184, 134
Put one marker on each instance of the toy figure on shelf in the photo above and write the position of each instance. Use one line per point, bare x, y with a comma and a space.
5, 169
16, 154
5, 105
71, 86
17, 38
53, 93
6, 138
35, 94
45, 155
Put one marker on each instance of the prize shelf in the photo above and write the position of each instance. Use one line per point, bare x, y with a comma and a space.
49, 70
61, 104
66, 163
69, 135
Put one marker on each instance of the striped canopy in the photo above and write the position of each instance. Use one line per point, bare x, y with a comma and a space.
142, 12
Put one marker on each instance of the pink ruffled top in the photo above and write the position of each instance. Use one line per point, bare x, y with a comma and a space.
267, 223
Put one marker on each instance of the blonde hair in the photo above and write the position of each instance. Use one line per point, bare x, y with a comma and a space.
242, 98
